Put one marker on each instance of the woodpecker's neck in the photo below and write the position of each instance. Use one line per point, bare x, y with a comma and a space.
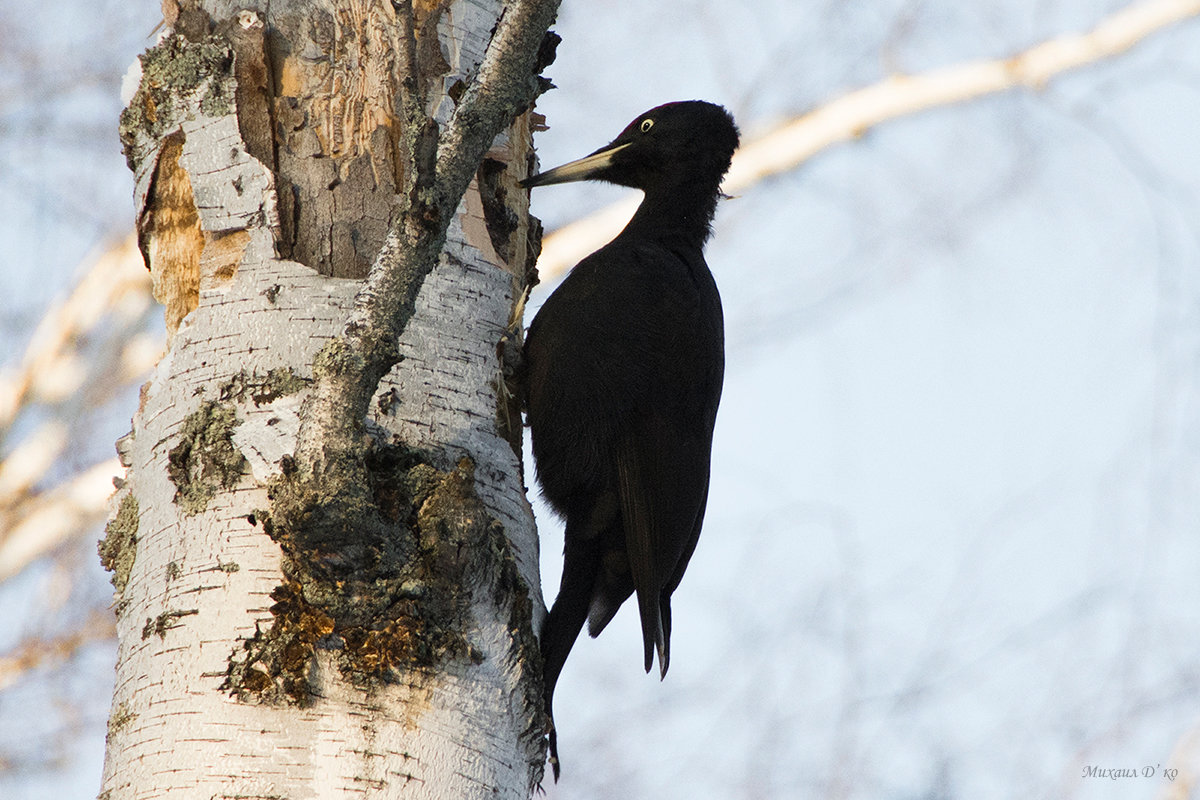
677, 210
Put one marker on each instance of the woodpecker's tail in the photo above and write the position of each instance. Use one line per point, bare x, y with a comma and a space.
566, 618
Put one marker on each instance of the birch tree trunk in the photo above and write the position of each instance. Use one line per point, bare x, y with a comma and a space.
325, 565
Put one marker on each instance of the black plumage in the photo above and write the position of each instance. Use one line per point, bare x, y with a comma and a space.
625, 362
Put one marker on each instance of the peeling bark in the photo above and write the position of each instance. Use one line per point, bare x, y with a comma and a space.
335, 587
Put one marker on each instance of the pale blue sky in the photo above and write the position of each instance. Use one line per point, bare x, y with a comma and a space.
951, 545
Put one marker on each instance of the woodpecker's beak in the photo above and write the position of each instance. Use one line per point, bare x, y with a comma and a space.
579, 170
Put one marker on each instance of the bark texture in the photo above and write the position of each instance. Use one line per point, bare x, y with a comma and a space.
325, 564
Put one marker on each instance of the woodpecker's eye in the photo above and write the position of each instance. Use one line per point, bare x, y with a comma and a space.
647, 124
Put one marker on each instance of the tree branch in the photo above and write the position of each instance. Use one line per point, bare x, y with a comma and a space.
53, 370
89, 346
506, 83
351, 366
37, 651
38, 523
412, 98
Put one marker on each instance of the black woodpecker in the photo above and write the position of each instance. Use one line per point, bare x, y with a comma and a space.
625, 362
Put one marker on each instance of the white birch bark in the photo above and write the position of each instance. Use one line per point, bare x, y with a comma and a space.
203, 706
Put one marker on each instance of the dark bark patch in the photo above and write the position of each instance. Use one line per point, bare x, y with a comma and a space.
246, 33
335, 129
502, 221
533, 249
382, 581
509, 386
511, 592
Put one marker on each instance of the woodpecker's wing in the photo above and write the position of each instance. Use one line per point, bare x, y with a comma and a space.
662, 467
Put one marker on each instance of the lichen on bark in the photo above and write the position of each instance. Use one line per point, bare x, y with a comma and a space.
260, 388
118, 548
174, 70
383, 582
120, 717
165, 622
205, 460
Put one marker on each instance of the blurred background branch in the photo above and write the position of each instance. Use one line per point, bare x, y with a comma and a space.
789, 144
86, 350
